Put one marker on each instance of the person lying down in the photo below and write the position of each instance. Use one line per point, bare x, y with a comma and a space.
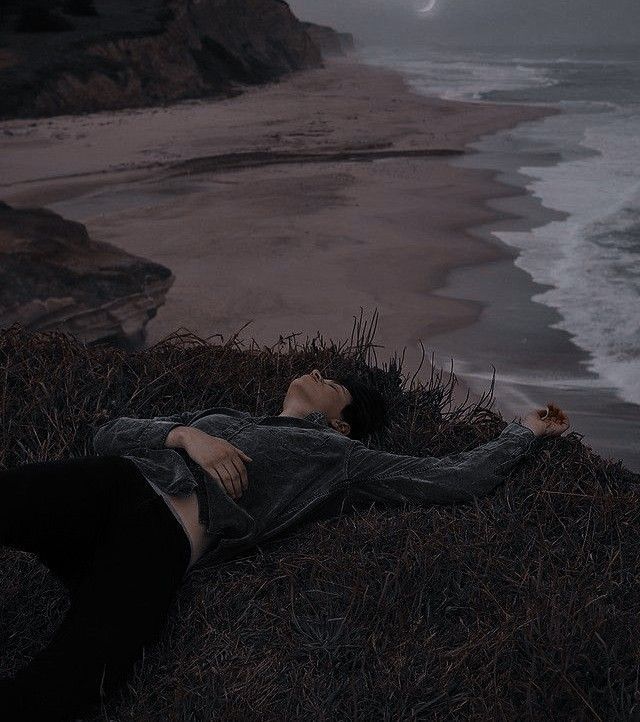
161, 496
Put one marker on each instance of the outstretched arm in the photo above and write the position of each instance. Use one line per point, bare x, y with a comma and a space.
383, 476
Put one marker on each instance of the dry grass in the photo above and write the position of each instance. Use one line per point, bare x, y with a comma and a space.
523, 605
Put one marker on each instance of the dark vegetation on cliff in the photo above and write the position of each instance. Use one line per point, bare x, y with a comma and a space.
71, 56
521, 603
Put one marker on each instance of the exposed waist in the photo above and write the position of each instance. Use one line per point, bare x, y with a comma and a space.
188, 512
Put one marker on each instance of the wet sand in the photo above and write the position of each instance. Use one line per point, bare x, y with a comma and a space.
535, 363
292, 207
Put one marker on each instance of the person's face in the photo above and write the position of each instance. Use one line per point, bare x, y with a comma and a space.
319, 394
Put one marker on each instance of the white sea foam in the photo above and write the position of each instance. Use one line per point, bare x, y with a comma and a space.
445, 77
592, 258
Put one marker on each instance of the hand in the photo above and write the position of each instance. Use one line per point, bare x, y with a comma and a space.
222, 460
548, 421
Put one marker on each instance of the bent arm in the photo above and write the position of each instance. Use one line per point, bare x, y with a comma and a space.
126, 434
383, 476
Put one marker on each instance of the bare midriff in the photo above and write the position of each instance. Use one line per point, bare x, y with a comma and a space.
186, 510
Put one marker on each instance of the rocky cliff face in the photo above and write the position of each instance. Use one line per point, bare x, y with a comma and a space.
52, 275
329, 40
148, 52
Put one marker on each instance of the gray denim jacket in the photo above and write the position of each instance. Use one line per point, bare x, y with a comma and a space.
300, 464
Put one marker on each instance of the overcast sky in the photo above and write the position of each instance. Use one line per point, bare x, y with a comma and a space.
479, 21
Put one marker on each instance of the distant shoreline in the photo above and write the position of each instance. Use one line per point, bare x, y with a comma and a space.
288, 248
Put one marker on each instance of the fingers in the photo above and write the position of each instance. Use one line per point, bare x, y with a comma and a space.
553, 419
213, 471
232, 476
557, 420
232, 482
240, 469
242, 473
556, 412
228, 469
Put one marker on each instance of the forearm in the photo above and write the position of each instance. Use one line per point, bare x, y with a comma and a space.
478, 472
125, 434
454, 478
177, 438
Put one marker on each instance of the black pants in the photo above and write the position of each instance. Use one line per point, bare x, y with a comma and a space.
98, 525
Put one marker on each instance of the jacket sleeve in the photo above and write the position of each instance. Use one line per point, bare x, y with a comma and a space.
383, 476
125, 434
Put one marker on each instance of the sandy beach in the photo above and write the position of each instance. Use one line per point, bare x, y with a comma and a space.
217, 191
288, 208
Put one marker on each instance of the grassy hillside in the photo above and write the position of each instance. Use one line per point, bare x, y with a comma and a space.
523, 605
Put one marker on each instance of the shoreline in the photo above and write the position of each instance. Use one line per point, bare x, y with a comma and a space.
540, 363
298, 245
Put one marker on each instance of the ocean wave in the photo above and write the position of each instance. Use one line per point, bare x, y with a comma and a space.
576, 61
590, 261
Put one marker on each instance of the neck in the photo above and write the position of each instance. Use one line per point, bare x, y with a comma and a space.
295, 409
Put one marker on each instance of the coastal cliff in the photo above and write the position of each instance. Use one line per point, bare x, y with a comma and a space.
54, 276
149, 52
330, 41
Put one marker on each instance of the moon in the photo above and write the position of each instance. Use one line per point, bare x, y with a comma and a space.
429, 6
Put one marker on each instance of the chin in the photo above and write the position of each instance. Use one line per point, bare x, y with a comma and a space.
297, 387
303, 381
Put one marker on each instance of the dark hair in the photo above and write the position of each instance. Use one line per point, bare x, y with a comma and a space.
367, 411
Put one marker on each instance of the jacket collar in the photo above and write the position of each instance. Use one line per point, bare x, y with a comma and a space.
317, 418
314, 419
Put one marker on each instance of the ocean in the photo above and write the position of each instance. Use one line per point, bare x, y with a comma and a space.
579, 238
